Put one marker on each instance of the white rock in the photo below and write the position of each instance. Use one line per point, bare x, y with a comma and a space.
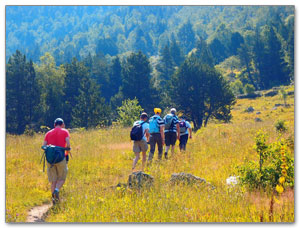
232, 180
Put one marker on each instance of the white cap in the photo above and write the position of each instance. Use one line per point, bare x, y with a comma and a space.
173, 110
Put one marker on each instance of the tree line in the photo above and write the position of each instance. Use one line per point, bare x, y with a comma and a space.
89, 93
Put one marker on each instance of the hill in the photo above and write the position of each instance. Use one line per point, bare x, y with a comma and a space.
69, 31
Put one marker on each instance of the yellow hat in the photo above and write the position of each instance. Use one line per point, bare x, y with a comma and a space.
157, 110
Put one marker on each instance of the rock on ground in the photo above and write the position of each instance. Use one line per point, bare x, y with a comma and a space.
139, 179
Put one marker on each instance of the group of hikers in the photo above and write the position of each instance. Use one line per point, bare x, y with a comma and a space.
160, 131
153, 130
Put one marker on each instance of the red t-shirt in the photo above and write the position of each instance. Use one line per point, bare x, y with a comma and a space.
57, 137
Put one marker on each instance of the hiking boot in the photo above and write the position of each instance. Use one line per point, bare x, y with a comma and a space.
55, 196
166, 156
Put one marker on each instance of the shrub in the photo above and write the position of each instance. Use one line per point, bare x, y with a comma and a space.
249, 89
280, 126
275, 169
129, 112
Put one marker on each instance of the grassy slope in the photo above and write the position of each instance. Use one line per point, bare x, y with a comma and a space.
103, 158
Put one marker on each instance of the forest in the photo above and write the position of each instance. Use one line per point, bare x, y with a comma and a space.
88, 63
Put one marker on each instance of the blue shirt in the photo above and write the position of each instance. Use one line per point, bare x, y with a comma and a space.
175, 121
188, 125
145, 126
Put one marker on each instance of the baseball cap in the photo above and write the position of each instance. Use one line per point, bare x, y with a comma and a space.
58, 121
144, 115
173, 110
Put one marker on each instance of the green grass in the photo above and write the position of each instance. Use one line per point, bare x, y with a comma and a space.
103, 158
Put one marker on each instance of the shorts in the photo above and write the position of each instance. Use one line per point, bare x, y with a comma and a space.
140, 146
170, 138
183, 140
58, 171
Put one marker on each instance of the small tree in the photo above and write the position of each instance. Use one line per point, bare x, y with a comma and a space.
129, 112
249, 89
283, 95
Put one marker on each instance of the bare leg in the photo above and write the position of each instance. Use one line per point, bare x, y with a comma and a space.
60, 183
137, 158
172, 149
53, 186
144, 160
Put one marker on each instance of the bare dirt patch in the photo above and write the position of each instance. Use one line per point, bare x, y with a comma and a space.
38, 213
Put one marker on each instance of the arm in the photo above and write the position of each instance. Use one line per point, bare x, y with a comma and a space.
190, 130
147, 134
162, 134
68, 142
45, 143
178, 131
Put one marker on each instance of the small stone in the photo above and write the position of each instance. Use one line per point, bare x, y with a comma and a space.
250, 109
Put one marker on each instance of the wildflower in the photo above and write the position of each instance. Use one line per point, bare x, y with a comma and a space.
283, 172
279, 189
276, 200
281, 180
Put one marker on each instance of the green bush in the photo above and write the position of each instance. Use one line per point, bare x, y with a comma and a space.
275, 162
249, 89
129, 112
280, 126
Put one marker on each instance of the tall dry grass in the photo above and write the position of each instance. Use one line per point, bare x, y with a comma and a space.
103, 158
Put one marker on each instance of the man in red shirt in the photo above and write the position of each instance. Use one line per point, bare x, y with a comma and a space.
57, 173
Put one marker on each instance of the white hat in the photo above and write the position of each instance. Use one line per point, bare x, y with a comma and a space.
173, 110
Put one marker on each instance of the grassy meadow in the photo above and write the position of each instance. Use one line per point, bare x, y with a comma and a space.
102, 158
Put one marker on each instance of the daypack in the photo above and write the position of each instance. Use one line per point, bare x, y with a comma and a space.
183, 127
168, 122
136, 133
153, 125
53, 154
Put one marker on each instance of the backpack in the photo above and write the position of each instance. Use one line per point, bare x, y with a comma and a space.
168, 122
136, 133
153, 126
182, 126
53, 154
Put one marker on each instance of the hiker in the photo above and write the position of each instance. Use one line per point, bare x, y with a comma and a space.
140, 135
156, 130
185, 131
172, 131
57, 173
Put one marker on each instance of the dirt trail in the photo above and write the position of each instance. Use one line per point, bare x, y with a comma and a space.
38, 213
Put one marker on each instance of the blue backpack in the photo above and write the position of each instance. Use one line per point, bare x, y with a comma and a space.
136, 133
153, 125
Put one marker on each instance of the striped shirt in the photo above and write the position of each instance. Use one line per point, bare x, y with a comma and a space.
173, 126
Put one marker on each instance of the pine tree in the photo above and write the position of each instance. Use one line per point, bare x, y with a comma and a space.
203, 53
136, 80
165, 67
176, 52
51, 82
90, 109
115, 79
15, 93
186, 36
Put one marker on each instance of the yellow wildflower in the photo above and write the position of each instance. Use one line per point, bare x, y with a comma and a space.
279, 189
281, 180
